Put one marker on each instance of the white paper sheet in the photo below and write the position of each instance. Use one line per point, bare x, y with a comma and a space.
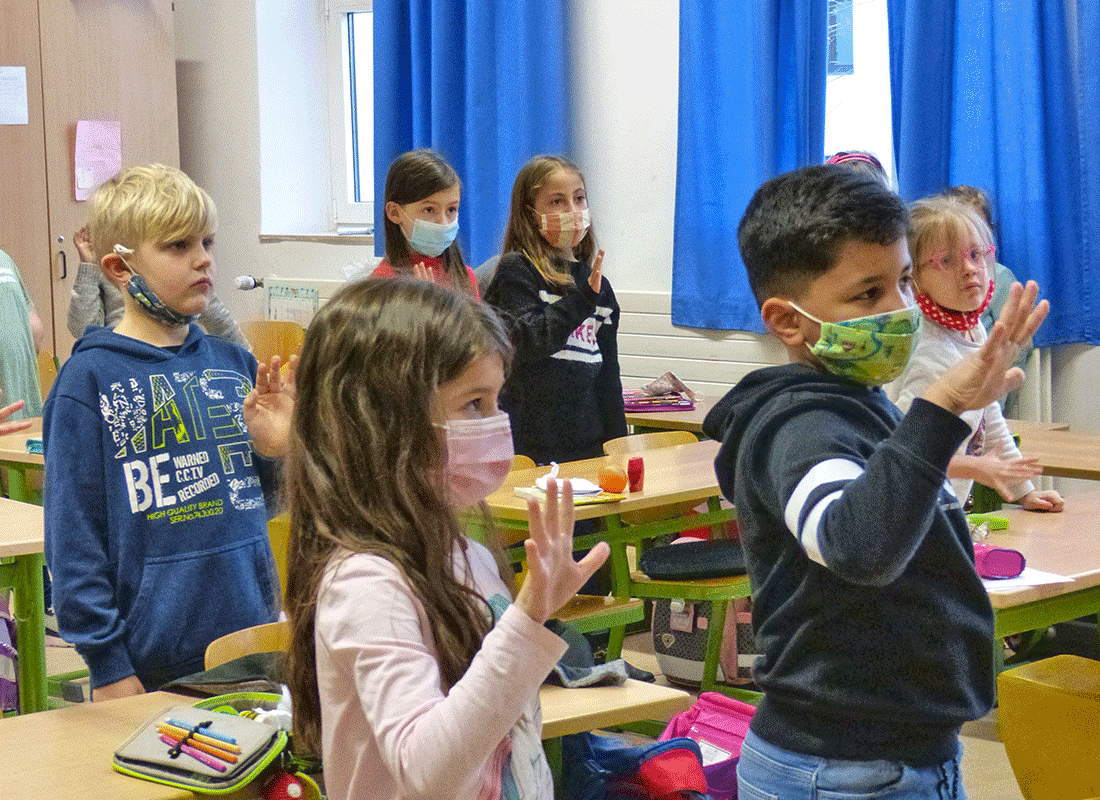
98, 154
1029, 577
13, 95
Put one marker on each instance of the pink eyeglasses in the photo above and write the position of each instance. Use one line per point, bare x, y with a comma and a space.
980, 254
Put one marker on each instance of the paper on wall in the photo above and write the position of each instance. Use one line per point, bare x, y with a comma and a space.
98, 154
13, 96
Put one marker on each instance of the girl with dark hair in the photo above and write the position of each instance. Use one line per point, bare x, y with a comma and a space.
421, 221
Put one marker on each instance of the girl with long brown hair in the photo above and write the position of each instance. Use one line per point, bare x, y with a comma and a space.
564, 393
412, 671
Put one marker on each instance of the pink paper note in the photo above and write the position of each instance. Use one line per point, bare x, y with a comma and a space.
98, 154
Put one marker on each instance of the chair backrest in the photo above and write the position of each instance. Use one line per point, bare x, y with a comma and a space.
640, 442
522, 462
47, 371
270, 337
271, 637
278, 532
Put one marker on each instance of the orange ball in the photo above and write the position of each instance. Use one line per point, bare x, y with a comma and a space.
612, 479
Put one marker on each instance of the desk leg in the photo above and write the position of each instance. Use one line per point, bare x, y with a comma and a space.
620, 581
553, 750
30, 621
18, 489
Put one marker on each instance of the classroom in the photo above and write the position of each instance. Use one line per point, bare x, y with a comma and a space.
257, 93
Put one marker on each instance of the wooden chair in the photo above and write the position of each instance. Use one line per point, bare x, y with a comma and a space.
278, 532
717, 591
1047, 713
522, 462
47, 371
272, 637
270, 337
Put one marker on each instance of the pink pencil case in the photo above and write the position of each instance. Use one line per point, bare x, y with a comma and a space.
998, 562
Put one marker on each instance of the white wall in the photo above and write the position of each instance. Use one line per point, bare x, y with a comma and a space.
625, 99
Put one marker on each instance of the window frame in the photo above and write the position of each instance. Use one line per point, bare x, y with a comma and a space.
347, 216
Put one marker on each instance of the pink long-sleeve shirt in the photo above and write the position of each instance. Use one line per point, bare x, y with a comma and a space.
389, 730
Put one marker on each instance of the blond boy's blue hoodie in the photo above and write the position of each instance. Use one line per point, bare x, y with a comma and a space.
156, 520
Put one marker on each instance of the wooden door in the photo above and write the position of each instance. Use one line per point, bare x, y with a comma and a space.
24, 224
106, 60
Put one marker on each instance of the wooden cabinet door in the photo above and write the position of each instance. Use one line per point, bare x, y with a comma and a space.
105, 60
24, 223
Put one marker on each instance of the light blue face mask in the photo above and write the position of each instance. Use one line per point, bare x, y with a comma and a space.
432, 238
872, 350
148, 301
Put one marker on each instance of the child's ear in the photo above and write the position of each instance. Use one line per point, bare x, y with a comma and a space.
393, 212
116, 269
782, 321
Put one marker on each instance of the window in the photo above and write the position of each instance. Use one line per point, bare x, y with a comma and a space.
351, 65
840, 37
857, 99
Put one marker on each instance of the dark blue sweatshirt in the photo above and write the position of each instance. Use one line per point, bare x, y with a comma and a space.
563, 393
156, 527
875, 630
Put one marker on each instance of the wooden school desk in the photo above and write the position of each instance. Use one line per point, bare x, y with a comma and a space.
66, 753
17, 462
21, 540
1068, 544
1064, 454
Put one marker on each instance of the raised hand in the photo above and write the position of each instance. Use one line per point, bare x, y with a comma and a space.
7, 411
553, 577
977, 381
595, 278
83, 241
421, 272
268, 408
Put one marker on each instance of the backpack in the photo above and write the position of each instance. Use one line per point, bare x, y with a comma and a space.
605, 768
9, 689
719, 724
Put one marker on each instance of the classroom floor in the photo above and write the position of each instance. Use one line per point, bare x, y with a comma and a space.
986, 771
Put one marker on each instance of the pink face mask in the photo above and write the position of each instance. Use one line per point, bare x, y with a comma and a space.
565, 228
479, 456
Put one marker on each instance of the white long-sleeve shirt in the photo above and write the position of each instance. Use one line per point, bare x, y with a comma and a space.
388, 728
937, 350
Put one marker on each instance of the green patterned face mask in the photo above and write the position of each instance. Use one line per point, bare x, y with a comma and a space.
872, 350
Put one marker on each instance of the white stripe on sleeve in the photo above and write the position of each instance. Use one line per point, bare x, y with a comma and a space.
829, 471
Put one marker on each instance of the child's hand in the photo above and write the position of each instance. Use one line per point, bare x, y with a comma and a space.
83, 241
7, 411
993, 471
553, 577
422, 273
269, 406
127, 687
595, 278
977, 381
1046, 500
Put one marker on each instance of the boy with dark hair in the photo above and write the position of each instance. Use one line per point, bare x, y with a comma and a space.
875, 631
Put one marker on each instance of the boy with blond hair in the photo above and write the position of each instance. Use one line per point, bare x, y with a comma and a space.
875, 631
158, 440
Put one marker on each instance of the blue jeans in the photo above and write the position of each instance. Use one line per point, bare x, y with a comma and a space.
767, 772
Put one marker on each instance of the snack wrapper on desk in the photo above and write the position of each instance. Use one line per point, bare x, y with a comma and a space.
668, 384
584, 491
190, 748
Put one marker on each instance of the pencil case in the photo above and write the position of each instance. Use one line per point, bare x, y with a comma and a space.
193, 751
34, 444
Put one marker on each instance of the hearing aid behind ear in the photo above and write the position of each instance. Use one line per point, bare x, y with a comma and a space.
123, 250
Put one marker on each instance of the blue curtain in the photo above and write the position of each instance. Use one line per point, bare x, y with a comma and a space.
1003, 96
483, 83
752, 105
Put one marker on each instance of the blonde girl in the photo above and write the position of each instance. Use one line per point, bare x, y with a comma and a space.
413, 673
564, 392
421, 222
953, 273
